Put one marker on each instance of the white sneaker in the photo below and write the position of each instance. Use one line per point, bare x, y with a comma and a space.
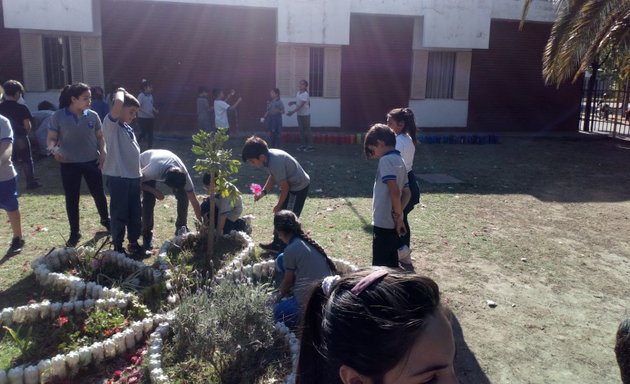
404, 254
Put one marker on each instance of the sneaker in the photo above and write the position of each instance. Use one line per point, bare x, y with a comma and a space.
309, 149
301, 148
135, 251
33, 185
16, 245
147, 243
73, 240
404, 254
107, 224
270, 247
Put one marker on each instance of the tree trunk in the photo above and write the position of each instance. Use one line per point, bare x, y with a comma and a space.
211, 221
589, 97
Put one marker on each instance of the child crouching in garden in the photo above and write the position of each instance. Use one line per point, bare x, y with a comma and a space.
376, 326
227, 210
302, 263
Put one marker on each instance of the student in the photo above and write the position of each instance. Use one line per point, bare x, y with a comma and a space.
301, 264
41, 123
303, 110
122, 172
20, 118
273, 116
8, 185
99, 105
221, 107
376, 326
391, 193
203, 110
75, 139
162, 165
146, 113
403, 123
227, 211
285, 171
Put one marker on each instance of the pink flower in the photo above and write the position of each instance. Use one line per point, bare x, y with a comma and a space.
117, 375
62, 320
255, 188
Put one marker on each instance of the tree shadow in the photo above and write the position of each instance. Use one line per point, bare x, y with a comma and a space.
467, 367
19, 293
365, 224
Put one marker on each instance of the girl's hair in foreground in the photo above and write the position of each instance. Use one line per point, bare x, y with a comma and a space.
71, 90
405, 115
378, 132
371, 331
286, 221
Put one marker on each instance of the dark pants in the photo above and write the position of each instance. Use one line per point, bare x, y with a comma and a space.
385, 244
273, 125
146, 130
22, 154
148, 205
125, 208
294, 203
415, 199
306, 136
71, 174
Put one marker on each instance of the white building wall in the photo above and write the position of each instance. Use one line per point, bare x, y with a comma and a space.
325, 112
50, 15
440, 112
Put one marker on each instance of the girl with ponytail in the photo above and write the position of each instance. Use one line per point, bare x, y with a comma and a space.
379, 326
303, 262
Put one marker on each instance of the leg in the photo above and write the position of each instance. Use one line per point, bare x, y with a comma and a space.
150, 126
94, 180
385, 244
142, 128
22, 153
182, 209
9, 202
148, 206
303, 138
134, 217
287, 311
406, 239
16, 223
307, 129
71, 181
118, 205
295, 201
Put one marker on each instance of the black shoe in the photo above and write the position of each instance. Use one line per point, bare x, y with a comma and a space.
135, 251
73, 240
147, 243
16, 245
107, 224
270, 247
33, 185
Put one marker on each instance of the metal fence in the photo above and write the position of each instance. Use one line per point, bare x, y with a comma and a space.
609, 112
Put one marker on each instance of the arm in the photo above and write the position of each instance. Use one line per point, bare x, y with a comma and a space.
102, 152
119, 98
287, 283
266, 188
27, 125
5, 151
233, 106
284, 193
221, 225
156, 192
51, 142
397, 213
300, 104
192, 197
406, 196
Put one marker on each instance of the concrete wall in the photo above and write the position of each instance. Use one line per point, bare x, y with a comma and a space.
50, 15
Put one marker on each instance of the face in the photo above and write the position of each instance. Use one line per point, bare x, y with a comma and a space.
82, 102
396, 126
430, 360
257, 163
148, 89
378, 150
302, 86
128, 114
272, 94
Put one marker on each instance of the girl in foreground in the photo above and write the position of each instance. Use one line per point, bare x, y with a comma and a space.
376, 326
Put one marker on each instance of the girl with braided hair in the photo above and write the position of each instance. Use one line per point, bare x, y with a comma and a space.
302, 263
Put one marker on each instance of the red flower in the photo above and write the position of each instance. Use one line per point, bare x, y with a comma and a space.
117, 375
116, 330
62, 320
108, 333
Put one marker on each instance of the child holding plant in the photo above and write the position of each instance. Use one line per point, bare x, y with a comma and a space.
303, 262
227, 212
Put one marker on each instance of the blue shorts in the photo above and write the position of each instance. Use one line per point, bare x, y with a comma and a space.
9, 195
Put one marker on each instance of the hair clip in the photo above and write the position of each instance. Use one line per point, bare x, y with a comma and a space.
328, 283
368, 280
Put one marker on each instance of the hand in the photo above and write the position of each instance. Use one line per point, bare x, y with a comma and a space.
258, 196
158, 195
101, 160
232, 92
291, 103
59, 157
277, 208
289, 113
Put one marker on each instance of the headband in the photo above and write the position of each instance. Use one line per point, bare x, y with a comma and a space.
328, 283
368, 280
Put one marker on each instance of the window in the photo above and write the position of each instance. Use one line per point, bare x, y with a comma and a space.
57, 61
440, 75
316, 72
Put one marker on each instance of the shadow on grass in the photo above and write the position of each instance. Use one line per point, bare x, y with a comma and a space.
467, 367
19, 293
365, 224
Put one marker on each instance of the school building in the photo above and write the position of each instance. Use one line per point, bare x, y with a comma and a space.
460, 65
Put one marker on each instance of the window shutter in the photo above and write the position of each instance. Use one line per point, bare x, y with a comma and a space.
462, 75
283, 69
419, 74
92, 61
33, 62
76, 65
332, 71
301, 64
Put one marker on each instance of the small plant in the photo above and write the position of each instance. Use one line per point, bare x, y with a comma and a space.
23, 343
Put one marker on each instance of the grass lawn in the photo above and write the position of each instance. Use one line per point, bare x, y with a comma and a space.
539, 226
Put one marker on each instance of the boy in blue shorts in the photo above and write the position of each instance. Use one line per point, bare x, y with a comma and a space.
8, 185
122, 172
391, 193
285, 171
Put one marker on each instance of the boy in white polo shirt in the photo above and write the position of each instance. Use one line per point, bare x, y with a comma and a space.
391, 193
122, 172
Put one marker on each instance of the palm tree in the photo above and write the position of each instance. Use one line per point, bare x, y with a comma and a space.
584, 35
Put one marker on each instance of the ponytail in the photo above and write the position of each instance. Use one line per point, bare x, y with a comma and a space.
406, 116
64, 97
